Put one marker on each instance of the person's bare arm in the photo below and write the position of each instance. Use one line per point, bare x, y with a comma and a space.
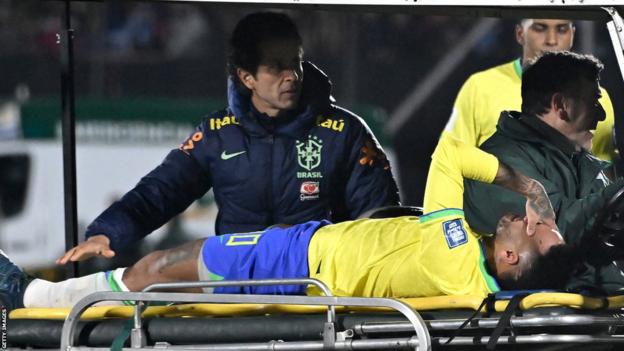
538, 206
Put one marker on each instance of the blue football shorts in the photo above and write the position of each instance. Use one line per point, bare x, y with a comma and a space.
270, 254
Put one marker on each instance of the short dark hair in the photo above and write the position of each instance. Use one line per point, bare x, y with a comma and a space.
251, 33
556, 72
549, 271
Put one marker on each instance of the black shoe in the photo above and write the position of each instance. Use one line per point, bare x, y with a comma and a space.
13, 282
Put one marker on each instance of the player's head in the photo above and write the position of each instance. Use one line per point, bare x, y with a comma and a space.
537, 36
529, 261
566, 84
264, 58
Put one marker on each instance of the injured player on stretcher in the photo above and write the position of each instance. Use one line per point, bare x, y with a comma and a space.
434, 254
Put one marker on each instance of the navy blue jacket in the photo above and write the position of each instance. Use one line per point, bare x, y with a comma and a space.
318, 162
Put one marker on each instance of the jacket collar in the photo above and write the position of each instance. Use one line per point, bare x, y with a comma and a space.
315, 99
531, 128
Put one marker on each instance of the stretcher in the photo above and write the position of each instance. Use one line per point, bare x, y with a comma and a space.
520, 320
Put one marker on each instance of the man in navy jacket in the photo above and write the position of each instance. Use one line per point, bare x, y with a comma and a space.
280, 153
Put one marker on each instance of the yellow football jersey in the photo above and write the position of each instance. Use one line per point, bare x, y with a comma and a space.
436, 254
486, 94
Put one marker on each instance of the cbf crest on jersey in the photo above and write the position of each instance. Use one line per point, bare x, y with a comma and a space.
454, 233
309, 152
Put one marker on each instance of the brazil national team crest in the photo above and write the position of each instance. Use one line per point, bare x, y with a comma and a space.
309, 156
454, 233
309, 152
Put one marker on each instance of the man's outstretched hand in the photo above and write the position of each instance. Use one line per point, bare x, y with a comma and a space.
97, 245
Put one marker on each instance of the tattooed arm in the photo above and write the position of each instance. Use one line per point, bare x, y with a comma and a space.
538, 207
453, 162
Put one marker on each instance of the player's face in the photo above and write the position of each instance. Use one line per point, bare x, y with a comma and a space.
276, 86
541, 35
583, 112
515, 228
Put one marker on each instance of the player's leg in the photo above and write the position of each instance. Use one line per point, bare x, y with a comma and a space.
175, 264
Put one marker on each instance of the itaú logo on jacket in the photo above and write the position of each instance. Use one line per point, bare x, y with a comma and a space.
309, 191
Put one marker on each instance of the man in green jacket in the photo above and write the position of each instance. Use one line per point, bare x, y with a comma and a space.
549, 141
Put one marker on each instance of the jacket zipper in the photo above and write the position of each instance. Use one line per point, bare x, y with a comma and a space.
271, 140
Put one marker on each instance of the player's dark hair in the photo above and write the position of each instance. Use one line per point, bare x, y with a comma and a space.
248, 37
556, 72
549, 271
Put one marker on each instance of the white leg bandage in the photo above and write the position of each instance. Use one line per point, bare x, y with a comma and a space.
43, 293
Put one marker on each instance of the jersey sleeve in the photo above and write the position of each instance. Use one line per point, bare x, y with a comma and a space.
462, 124
603, 146
452, 161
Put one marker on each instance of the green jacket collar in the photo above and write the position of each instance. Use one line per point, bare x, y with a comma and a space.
519, 126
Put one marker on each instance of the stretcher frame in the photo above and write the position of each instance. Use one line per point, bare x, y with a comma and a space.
414, 333
332, 339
